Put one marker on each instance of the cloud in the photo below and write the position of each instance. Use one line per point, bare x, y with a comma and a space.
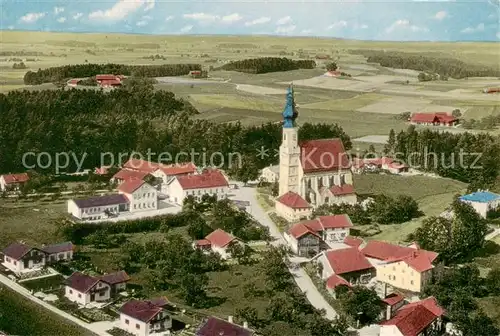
337, 25
231, 18
32, 17
186, 29
142, 23
61, 19
284, 20
258, 21
404, 25
306, 31
58, 10
201, 17
77, 16
169, 18
498, 33
150, 4
119, 11
285, 29
10, 27
440, 15
470, 30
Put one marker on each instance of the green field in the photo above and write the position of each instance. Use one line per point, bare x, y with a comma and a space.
19, 316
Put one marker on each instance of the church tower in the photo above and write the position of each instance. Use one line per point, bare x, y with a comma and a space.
289, 149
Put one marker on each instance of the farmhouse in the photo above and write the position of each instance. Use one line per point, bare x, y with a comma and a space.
98, 207
219, 241
141, 195
84, 289
270, 174
492, 90
434, 119
211, 182
215, 326
143, 318
418, 318
107, 81
317, 170
482, 201
292, 207
13, 181
73, 82
392, 303
19, 257
307, 238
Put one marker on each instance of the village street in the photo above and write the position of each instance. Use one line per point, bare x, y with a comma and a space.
302, 279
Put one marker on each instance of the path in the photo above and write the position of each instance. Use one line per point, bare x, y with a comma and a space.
302, 279
69, 192
24, 292
492, 235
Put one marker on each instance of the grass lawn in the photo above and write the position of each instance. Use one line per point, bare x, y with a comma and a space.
45, 283
347, 104
490, 306
19, 316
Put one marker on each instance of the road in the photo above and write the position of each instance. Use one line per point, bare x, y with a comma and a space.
302, 279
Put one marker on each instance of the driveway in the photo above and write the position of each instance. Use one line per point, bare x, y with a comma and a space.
302, 279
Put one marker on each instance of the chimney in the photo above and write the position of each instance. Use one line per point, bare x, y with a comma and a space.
230, 319
388, 312
245, 325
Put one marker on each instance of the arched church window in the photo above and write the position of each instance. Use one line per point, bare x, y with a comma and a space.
332, 181
342, 179
320, 182
309, 183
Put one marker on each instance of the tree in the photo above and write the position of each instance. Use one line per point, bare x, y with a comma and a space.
478, 324
198, 228
193, 288
99, 239
332, 66
391, 142
492, 282
250, 315
456, 113
363, 304
247, 171
434, 234
242, 253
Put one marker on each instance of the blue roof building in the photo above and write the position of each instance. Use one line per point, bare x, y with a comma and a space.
481, 197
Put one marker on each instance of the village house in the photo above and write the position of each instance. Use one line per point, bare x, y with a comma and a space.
347, 265
360, 165
482, 201
270, 174
108, 81
98, 207
317, 170
126, 174
491, 90
307, 238
141, 195
433, 119
408, 268
219, 241
19, 257
10, 182
214, 326
84, 289
145, 317
210, 182
292, 207
73, 82
415, 319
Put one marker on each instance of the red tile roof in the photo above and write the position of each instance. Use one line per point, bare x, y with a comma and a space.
15, 178
103, 170
16, 250
129, 186
143, 311
178, 169
415, 317
393, 299
335, 221
346, 189
81, 282
202, 242
219, 238
300, 229
293, 200
335, 281
208, 179
115, 278
105, 77
110, 82
347, 260
432, 117
126, 174
58, 248
141, 165
353, 241
215, 327
420, 262
323, 155
320, 224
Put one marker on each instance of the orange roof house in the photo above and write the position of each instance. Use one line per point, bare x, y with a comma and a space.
218, 241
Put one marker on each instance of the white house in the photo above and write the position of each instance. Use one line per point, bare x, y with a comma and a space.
98, 207
19, 257
292, 207
141, 195
211, 182
482, 201
219, 241
142, 318
270, 174
166, 173
13, 181
84, 289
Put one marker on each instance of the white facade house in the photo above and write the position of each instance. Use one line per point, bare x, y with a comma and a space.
141, 195
143, 318
219, 241
98, 207
270, 174
13, 181
210, 182
84, 289
482, 202
292, 207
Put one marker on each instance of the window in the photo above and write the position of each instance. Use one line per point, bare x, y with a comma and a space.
411, 282
127, 321
137, 326
134, 206
8, 259
153, 204
393, 277
393, 268
15, 262
101, 294
71, 291
79, 295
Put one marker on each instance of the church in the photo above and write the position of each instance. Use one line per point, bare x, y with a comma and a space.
311, 173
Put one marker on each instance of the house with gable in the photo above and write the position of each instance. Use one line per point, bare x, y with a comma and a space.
309, 237
141, 195
144, 317
292, 207
13, 181
219, 241
419, 318
214, 326
20, 258
98, 207
210, 182
434, 119
482, 201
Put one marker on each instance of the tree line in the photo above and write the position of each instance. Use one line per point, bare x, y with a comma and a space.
57, 74
268, 64
445, 67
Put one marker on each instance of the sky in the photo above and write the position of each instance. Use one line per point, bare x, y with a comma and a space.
401, 20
